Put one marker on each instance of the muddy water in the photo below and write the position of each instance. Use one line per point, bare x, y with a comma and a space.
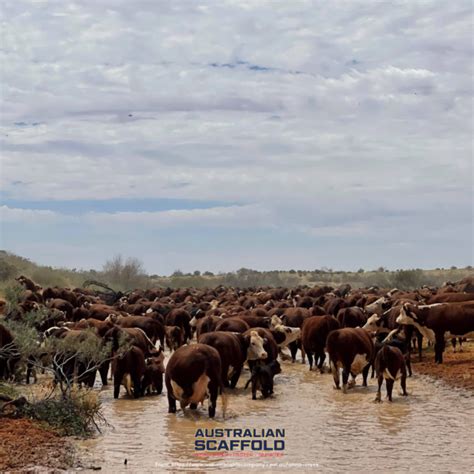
429, 431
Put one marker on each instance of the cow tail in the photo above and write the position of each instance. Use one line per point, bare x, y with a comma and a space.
388, 375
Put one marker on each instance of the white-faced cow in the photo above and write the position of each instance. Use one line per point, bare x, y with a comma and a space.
439, 321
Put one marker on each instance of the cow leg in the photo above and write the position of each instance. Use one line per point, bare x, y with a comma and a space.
322, 358
408, 366
137, 386
213, 392
118, 376
225, 375
365, 374
171, 399
419, 339
103, 371
389, 384
335, 374
453, 343
303, 354
439, 348
460, 344
254, 387
378, 397
235, 376
345, 377
403, 381
310, 360
293, 350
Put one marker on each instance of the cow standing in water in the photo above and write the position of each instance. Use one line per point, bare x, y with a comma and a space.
193, 373
351, 349
389, 363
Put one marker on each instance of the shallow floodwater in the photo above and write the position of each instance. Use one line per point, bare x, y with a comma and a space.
432, 430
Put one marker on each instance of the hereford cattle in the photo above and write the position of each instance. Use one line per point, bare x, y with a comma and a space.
351, 317
351, 349
62, 305
207, 324
181, 318
123, 337
313, 337
234, 349
174, 336
389, 365
270, 347
262, 378
233, 324
440, 320
151, 327
28, 283
284, 335
128, 370
153, 377
101, 327
451, 298
255, 321
193, 373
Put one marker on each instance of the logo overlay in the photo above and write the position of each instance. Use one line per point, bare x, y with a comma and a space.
246, 442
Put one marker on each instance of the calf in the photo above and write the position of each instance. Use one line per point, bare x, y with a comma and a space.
389, 363
351, 349
153, 376
193, 373
262, 378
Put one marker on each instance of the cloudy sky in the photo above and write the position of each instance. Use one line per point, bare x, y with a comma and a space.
221, 134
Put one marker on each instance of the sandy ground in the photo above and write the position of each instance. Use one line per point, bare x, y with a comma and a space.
25, 446
457, 368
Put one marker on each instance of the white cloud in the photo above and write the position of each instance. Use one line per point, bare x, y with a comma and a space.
294, 111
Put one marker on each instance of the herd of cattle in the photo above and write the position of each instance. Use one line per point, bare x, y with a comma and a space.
212, 333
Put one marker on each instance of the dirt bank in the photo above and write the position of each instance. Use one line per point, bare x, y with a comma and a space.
25, 446
457, 368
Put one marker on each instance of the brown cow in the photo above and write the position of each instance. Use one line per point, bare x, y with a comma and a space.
232, 348
207, 324
351, 317
129, 369
440, 320
193, 373
233, 324
390, 362
180, 317
174, 336
313, 337
352, 350
151, 327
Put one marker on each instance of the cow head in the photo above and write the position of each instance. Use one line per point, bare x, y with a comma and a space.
290, 334
379, 306
275, 321
409, 315
255, 349
373, 323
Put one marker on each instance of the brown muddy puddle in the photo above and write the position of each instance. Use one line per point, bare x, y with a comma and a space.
432, 430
